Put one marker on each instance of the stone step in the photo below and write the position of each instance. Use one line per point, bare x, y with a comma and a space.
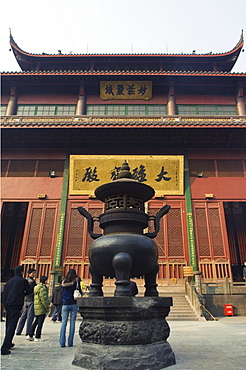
188, 314
185, 303
181, 309
182, 318
180, 301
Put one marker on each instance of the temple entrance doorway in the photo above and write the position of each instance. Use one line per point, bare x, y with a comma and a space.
12, 230
235, 215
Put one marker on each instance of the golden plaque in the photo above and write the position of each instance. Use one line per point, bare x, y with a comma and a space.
164, 173
122, 90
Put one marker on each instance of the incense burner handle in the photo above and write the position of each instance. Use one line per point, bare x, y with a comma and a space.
91, 221
163, 211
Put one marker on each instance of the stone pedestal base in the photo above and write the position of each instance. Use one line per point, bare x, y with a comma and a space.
124, 333
154, 356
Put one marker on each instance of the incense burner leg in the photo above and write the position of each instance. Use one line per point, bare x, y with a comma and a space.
96, 285
150, 283
122, 263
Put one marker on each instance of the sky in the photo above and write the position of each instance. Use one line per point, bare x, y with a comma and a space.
121, 26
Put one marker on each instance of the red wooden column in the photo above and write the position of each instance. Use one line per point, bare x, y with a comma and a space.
81, 106
171, 104
12, 104
241, 110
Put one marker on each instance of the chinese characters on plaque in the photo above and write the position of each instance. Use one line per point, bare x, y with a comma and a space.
164, 173
119, 90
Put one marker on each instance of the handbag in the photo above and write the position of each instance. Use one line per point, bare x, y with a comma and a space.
76, 293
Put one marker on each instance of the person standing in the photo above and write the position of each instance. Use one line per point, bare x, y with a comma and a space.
57, 302
83, 287
41, 307
27, 315
69, 306
244, 272
133, 288
2, 306
13, 300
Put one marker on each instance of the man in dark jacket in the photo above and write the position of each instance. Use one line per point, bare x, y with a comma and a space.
28, 308
57, 302
13, 299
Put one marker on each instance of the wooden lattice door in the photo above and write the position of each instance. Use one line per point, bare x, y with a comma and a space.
77, 239
171, 239
211, 240
40, 237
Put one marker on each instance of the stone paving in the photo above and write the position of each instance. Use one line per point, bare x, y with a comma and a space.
198, 345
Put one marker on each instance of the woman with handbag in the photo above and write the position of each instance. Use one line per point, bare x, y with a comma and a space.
70, 291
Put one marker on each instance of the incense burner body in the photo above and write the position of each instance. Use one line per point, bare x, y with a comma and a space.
123, 233
124, 251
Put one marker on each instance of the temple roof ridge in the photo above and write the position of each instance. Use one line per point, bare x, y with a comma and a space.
94, 62
13, 44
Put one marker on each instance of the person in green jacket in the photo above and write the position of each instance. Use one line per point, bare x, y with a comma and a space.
41, 307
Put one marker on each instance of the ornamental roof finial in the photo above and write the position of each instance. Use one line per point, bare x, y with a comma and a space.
125, 171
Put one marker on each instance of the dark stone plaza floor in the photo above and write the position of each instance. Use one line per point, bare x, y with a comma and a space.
198, 345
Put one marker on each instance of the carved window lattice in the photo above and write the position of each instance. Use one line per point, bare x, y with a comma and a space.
95, 212
206, 167
45, 166
204, 250
174, 231
22, 168
216, 233
4, 166
202, 232
5, 236
48, 232
230, 168
240, 221
159, 240
76, 232
230, 233
33, 236
19, 235
27, 168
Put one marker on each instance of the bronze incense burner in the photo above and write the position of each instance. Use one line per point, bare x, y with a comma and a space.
124, 251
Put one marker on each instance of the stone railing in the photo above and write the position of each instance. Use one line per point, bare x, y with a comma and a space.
224, 287
195, 299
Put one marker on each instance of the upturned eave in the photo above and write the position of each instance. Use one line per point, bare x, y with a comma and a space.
224, 61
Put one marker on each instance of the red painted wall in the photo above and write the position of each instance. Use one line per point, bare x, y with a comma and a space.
157, 99
205, 99
33, 154
28, 188
94, 99
47, 99
217, 153
226, 188
4, 99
